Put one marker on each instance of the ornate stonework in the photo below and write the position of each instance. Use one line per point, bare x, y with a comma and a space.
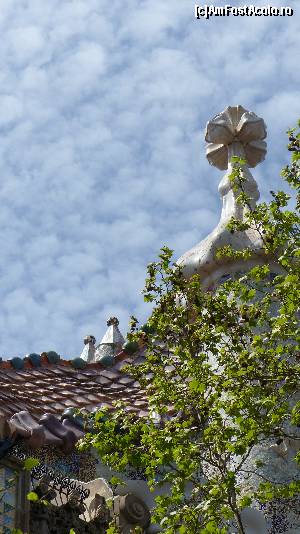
88, 353
110, 344
235, 125
234, 132
108, 347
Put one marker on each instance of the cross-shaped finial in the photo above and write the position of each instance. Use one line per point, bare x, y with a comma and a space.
235, 131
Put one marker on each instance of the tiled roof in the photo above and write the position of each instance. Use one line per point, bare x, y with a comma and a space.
37, 395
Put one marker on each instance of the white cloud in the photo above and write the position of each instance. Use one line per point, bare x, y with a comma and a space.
10, 109
23, 44
102, 161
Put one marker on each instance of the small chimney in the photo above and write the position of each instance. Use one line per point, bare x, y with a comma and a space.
88, 353
110, 344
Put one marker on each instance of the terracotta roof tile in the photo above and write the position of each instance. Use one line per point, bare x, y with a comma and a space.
126, 380
140, 403
69, 403
54, 387
58, 407
116, 386
46, 400
102, 380
92, 398
90, 372
57, 371
110, 374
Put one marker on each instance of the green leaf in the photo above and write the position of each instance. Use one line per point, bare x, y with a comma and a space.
211, 527
197, 386
245, 501
30, 463
32, 496
116, 481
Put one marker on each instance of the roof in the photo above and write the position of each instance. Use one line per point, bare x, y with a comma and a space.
34, 399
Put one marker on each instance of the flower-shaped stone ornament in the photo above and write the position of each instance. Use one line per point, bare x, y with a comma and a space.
235, 125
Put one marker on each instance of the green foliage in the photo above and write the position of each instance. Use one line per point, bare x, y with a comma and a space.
30, 463
116, 481
32, 496
113, 528
220, 373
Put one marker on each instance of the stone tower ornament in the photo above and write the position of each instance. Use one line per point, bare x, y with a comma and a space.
110, 344
108, 347
88, 353
241, 133
235, 130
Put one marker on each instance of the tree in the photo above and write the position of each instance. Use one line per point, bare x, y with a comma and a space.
221, 373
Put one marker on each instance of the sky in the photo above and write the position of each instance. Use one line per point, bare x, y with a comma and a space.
103, 107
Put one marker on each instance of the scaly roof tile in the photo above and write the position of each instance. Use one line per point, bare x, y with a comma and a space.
54, 387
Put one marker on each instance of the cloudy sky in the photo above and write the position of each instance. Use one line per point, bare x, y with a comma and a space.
103, 105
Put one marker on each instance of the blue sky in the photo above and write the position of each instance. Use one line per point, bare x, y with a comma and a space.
103, 106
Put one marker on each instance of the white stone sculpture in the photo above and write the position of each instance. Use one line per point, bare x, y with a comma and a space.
235, 126
110, 344
100, 492
88, 353
107, 349
234, 132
